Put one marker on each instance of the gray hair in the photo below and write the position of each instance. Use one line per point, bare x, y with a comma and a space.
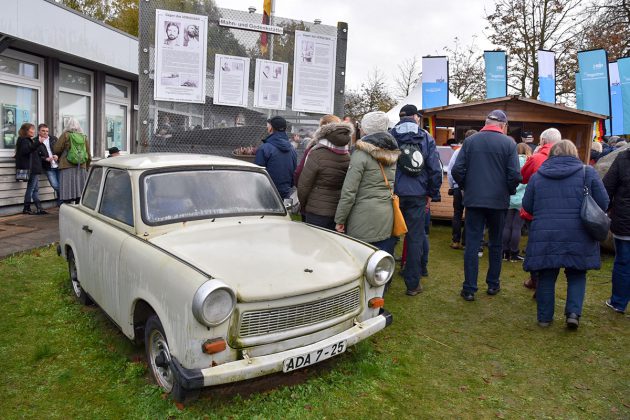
495, 123
564, 148
73, 125
550, 136
596, 146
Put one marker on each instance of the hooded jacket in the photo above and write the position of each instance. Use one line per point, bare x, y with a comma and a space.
429, 181
320, 182
26, 156
554, 196
516, 199
617, 183
365, 205
279, 157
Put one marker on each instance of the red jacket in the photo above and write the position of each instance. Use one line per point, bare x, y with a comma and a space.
534, 162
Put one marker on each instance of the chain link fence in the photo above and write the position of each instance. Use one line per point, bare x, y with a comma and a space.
166, 126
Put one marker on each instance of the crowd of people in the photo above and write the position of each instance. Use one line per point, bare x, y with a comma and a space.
63, 160
498, 185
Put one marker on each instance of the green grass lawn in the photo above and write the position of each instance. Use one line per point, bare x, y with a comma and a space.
441, 358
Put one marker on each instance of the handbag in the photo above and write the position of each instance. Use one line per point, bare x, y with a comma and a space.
22, 174
399, 226
595, 220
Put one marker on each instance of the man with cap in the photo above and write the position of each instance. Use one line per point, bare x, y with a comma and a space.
113, 152
278, 155
488, 170
418, 181
528, 138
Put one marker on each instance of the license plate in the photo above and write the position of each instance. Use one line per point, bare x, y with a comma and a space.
304, 360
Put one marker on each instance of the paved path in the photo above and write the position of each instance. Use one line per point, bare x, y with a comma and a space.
22, 232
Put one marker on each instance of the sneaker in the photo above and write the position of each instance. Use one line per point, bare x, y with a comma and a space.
515, 257
414, 292
41, 211
506, 255
480, 253
610, 305
456, 245
544, 324
468, 296
573, 321
493, 290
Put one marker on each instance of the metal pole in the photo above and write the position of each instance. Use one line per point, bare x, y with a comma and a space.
270, 37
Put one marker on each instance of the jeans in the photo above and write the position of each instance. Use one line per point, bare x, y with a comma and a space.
458, 214
512, 231
621, 275
32, 191
412, 208
327, 222
386, 245
424, 260
546, 292
476, 218
53, 180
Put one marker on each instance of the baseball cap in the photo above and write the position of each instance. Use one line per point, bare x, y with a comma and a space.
527, 135
497, 115
408, 110
278, 123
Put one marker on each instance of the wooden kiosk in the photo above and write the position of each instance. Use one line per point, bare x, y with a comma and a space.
523, 115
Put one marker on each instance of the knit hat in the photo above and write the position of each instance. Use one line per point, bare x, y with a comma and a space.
374, 122
278, 123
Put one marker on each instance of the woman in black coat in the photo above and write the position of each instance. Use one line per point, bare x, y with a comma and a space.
557, 237
26, 157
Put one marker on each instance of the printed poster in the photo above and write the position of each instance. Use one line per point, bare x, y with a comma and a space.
270, 85
231, 80
180, 57
434, 82
595, 82
496, 74
314, 72
547, 76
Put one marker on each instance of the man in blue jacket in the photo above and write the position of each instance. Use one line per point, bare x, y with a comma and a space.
488, 171
278, 156
418, 181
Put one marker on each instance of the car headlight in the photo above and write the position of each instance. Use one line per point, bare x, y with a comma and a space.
213, 303
380, 268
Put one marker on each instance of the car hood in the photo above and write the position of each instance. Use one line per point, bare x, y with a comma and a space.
264, 259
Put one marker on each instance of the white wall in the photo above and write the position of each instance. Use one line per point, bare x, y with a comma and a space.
47, 24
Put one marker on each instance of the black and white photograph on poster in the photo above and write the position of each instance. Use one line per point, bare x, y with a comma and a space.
270, 85
180, 56
231, 80
314, 73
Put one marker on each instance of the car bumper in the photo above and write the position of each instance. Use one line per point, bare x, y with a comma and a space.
264, 365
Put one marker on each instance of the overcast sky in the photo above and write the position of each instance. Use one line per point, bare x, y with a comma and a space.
382, 33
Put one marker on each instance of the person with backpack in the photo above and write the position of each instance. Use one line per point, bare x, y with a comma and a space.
418, 181
73, 149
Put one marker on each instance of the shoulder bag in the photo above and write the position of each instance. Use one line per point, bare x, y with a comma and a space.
595, 220
399, 227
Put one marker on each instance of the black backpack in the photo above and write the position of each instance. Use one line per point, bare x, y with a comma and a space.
411, 161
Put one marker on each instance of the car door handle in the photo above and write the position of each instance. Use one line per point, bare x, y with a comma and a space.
87, 229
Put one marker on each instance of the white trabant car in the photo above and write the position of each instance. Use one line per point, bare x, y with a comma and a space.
197, 256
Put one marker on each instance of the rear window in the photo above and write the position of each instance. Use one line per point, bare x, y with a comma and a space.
188, 195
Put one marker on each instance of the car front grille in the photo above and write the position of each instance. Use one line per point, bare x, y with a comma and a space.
270, 321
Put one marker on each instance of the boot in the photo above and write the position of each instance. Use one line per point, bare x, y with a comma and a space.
27, 209
40, 210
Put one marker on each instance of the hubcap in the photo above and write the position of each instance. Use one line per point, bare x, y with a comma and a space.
160, 358
74, 279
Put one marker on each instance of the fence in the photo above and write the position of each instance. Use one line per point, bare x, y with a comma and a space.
170, 126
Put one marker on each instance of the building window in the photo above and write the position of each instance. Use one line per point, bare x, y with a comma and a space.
117, 105
20, 96
75, 98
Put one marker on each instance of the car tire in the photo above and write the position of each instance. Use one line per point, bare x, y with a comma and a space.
159, 359
78, 291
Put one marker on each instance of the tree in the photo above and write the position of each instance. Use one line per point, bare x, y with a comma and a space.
125, 16
522, 27
372, 96
609, 28
408, 76
466, 71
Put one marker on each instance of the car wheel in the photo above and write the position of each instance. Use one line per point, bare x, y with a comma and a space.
159, 359
79, 293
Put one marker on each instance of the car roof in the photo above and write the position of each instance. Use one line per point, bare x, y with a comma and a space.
143, 161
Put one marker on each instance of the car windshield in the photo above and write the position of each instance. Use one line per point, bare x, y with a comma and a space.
197, 194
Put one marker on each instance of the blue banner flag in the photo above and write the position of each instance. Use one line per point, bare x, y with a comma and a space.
496, 74
595, 82
547, 76
434, 82
579, 96
616, 103
623, 65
